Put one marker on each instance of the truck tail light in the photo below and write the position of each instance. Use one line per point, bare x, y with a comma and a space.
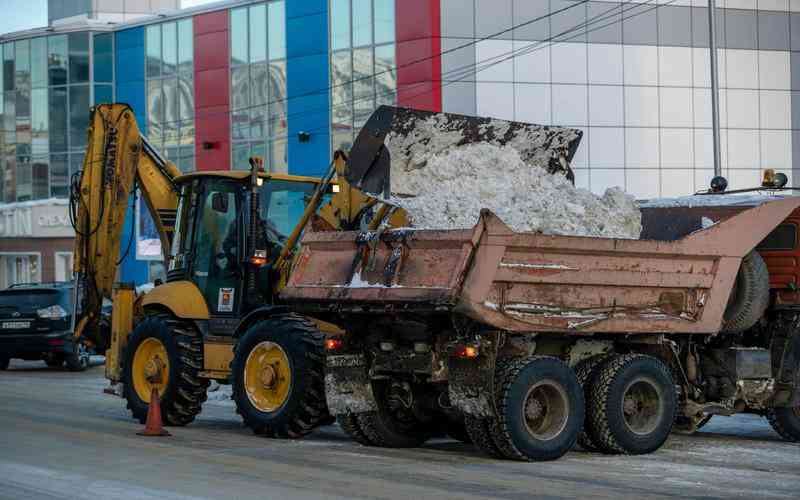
333, 344
467, 351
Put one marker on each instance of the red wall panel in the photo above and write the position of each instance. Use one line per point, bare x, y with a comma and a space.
419, 48
212, 91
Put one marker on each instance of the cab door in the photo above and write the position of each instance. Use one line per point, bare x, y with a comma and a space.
216, 253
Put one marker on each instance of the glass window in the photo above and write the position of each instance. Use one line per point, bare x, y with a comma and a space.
241, 153
10, 118
186, 100
24, 180
385, 75
75, 162
384, 21
277, 30
40, 174
239, 36
103, 94
340, 24
58, 119
57, 59
170, 111
240, 102
59, 176
22, 60
155, 111
153, 50
39, 121
169, 48
279, 160
23, 121
783, 237
78, 116
277, 96
185, 45
104, 58
363, 87
78, 57
258, 33
362, 22
39, 62
8, 66
9, 169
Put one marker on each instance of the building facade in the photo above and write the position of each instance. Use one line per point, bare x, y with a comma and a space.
294, 80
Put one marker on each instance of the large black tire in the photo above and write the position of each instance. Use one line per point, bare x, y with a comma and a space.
54, 362
750, 295
78, 359
586, 373
186, 391
351, 427
304, 407
4, 362
480, 431
786, 422
456, 428
540, 408
647, 426
392, 427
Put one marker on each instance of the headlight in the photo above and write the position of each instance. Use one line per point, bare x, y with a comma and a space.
52, 312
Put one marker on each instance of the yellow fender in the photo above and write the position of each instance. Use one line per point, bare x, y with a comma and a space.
182, 298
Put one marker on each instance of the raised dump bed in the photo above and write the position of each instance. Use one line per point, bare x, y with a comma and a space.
513, 340
523, 282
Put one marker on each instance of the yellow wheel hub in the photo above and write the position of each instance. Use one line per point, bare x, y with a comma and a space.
150, 368
267, 376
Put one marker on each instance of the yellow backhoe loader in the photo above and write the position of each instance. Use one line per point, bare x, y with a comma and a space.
229, 241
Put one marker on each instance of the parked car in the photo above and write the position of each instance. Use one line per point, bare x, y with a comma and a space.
36, 323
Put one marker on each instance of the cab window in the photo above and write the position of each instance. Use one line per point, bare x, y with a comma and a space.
783, 237
282, 206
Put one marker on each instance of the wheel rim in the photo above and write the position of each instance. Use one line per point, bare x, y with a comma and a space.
267, 376
546, 409
642, 406
150, 368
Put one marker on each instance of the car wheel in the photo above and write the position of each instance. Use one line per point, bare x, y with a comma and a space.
78, 359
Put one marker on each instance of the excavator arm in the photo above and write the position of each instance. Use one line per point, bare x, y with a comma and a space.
118, 160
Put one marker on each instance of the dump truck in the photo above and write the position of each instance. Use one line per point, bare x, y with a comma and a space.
228, 239
528, 343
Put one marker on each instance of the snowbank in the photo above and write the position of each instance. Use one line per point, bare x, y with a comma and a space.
456, 183
711, 200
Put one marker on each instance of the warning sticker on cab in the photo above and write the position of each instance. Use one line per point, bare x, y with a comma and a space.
225, 302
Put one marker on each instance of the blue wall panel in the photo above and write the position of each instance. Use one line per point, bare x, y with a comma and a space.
130, 88
307, 73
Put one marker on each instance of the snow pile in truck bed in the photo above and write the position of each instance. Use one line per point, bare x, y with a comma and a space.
453, 187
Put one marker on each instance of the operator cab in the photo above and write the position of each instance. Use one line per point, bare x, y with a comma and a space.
215, 235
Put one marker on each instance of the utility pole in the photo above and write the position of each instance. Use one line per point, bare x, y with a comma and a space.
712, 46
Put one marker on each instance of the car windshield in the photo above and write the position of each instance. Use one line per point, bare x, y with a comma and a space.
29, 297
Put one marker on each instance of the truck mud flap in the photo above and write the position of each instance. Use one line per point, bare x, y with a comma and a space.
347, 384
471, 381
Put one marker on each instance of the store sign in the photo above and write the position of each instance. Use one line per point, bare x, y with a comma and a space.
35, 221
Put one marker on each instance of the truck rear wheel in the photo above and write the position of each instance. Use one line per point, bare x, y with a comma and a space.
277, 375
480, 431
586, 373
351, 427
394, 424
165, 353
632, 405
540, 408
786, 422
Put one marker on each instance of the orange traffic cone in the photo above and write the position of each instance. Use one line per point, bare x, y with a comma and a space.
154, 426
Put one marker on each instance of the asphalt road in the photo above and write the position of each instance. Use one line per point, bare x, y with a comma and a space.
60, 437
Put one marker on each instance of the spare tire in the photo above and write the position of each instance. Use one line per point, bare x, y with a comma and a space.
750, 295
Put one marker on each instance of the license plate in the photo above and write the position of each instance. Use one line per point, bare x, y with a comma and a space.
15, 325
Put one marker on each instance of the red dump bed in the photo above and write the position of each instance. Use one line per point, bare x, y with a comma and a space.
527, 282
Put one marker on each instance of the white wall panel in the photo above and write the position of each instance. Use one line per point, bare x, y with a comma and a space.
776, 109
607, 147
774, 69
743, 147
606, 104
491, 51
533, 103
776, 150
533, 66
677, 182
677, 148
603, 179
569, 105
743, 179
641, 147
742, 108
642, 184
676, 107
675, 66
641, 106
641, 65
605, 63
495, 100
742, 69
568, 62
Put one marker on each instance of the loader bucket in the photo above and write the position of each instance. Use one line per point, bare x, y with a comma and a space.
400, 138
